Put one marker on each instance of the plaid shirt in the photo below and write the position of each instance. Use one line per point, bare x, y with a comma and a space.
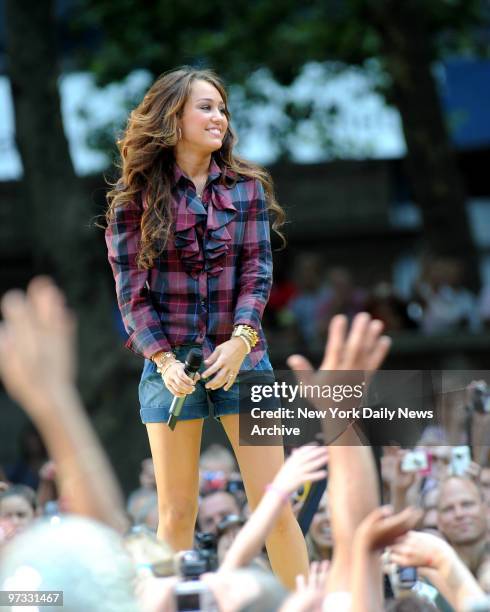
215, 272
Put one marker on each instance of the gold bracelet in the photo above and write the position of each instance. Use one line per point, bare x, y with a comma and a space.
162, 359
248, 332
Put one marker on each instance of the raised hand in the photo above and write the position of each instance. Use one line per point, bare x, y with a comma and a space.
382, 527
363, 348
306, 464
419, 549
37, 336
350, 358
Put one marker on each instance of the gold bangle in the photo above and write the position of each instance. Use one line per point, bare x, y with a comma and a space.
247, 332
162, 359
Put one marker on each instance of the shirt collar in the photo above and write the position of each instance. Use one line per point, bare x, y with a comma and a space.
214, 172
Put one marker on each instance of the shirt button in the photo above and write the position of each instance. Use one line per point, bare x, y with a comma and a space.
204, 302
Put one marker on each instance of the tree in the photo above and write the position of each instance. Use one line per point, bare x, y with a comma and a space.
58, 211
237, 38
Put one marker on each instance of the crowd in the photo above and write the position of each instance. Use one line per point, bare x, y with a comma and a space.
413, 537
305, 298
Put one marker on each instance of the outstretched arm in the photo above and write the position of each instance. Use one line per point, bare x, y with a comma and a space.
37, 367
353, 482
305, 464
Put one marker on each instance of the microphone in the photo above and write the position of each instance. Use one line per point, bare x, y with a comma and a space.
192, 364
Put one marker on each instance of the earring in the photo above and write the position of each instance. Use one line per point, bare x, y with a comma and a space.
179, 133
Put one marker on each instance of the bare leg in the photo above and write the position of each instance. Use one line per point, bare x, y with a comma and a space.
258, 465
176, 460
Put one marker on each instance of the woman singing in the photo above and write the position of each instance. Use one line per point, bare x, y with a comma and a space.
189, 245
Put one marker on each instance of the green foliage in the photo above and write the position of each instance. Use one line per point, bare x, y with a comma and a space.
239, 37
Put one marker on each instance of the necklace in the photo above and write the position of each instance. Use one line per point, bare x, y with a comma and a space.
200, 186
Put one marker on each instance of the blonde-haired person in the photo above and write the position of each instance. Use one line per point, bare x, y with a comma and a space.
189, 244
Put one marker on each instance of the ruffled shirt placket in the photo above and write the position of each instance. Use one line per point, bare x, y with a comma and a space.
202, 237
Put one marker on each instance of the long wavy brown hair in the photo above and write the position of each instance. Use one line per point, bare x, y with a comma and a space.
147, 160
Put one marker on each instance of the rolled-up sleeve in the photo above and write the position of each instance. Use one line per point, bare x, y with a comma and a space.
255, 278
141, 321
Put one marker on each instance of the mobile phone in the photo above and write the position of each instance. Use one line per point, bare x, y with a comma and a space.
415, 461
460, 460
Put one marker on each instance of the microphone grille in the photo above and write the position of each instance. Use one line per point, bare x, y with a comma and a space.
194, 359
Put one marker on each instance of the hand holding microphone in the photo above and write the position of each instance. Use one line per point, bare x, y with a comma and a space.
177, 380
192, 364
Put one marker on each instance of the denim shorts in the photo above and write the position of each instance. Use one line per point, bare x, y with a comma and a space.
155, 398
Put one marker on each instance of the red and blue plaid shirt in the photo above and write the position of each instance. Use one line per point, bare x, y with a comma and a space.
215, 272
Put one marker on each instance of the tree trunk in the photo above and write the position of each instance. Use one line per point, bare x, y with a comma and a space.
434, 173
58, 212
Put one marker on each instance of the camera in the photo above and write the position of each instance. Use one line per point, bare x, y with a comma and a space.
195, 595
206, 545
190, 593
230, 521
407, 577
480, 398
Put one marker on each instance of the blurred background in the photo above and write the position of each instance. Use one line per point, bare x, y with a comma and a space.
373, 117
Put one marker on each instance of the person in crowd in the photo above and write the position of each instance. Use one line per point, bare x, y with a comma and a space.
343, 296
218, 459
385, 304
307, 305
18, 504
446, 303
462, 520
142, 501
319, 537
429, 503
277, 317
213, 508
80, 557
189, 245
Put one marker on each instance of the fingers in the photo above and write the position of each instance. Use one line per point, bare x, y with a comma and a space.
362, 349
309, 458
356, 342
49, 304
177, 381
224, 378
334, 349
302, 368
231, 378
315, 476
211, 363
378, 354
15, 311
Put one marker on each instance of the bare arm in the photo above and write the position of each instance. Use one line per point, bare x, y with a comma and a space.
438, 561
305, 464
380, 528
37, 368
353, 483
